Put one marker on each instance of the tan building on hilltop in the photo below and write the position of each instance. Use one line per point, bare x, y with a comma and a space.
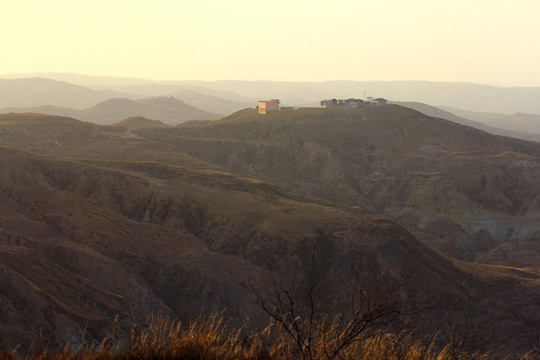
268, 106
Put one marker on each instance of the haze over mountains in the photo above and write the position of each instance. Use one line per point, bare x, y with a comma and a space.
493, 107
521, 126
98, 221
33, 92
166, 109
467, 96
516, 122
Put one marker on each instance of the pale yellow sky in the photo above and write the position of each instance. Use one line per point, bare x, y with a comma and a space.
487, 42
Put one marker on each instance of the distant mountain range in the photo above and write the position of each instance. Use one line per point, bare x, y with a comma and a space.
498, 124
489, 108
34, 92
468, 96
516, 122
166, 109
39, 95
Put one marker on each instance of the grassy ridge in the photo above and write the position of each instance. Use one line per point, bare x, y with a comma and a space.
211, 338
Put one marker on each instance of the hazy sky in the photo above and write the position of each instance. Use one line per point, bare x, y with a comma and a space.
490, 42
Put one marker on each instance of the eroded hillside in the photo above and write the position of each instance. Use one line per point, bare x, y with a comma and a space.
85, 240
468, 190
464, 191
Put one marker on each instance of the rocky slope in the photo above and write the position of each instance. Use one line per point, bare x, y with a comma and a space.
81, 244
463, 190
84, 241
472, 189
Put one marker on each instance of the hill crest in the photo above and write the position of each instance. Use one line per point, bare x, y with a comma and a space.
166, 109
139, 122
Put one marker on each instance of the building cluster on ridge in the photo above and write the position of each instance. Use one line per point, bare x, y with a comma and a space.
353, 103
268, 106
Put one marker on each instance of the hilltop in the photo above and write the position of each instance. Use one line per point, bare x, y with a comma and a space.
165, 109
139, 122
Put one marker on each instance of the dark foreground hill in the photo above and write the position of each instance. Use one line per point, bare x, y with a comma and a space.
84, 241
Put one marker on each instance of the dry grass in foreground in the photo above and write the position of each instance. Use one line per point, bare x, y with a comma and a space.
211, 338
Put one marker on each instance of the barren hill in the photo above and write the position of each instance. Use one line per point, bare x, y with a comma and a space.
74, 255
84, 241
211, 103
139, 122
67, 137
166, 109
463, 190
449, 180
